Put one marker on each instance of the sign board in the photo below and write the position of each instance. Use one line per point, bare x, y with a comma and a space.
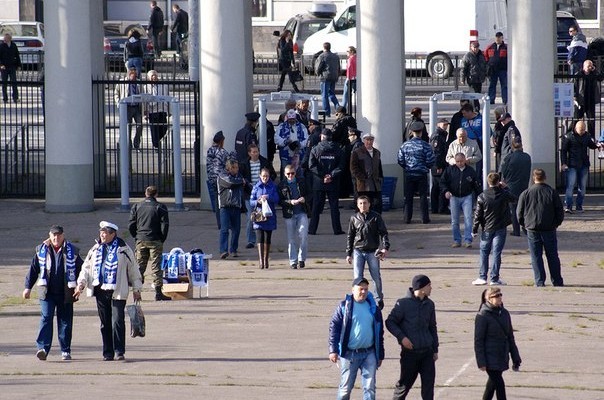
563, 100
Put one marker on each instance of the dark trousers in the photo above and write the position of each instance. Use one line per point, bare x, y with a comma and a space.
416, 183
589, 112
318, 203
495, 384
156, 46
476, 88
515, 223
113, 327
135, 116
158, 125
538, 241
375, 198
438, 201
9, 73
213, 192
288, 72
414, 362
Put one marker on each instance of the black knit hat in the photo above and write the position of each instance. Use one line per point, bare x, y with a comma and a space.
419, 281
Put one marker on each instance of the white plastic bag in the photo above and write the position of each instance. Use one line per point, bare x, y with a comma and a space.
601, 154
266, 209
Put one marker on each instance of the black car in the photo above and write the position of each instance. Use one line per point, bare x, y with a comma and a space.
115, 37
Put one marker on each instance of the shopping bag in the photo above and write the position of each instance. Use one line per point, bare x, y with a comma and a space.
296, 75
257, 216
266, 209
601, 154
137, 319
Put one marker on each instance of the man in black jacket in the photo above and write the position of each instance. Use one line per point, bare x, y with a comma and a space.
156, 26
246, 136
587, 94
9, 62
413, 322
367, 242
493, 214
438, 141
540, 212
180, 26
148, 225
516, 173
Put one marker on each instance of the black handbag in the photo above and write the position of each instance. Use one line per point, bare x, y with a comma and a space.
296, 75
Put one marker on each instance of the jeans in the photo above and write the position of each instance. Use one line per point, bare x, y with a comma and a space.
64, 322
414, 362
464, 204
502, 76
328, 93
494, 240
416, 183
113, 327
136, 63
9, 73
150, 251
537, 241
230, 219
350, 86
297, 237
359, 258
249, 227
213, 193
350, 364
318, 203
576, 176
495, 384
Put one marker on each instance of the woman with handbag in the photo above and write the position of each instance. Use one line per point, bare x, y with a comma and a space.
285, 54
494, 342
264, 197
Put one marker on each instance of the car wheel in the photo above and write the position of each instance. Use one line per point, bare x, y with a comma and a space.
440, 67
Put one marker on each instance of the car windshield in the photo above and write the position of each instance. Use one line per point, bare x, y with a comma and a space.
311, 27
19, 30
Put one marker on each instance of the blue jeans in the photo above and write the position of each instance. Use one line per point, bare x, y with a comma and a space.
230, 219
464, 204
249, 227
359, 258
136, 63
502, 76
494, 240
64, 323
350, 86
297, 237
537, 241
328, 89
576, 176
213, 193
350, 364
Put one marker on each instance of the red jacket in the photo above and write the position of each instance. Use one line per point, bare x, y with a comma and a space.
497, 59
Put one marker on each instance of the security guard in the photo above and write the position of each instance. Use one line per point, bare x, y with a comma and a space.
246, 136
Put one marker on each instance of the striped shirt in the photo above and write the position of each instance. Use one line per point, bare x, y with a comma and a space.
254, 171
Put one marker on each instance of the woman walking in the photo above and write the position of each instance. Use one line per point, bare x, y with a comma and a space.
265, 196
285, 53
494, 342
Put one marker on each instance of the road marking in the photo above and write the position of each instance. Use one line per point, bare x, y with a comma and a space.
451, 379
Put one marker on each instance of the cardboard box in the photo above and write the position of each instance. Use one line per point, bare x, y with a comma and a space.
178, 291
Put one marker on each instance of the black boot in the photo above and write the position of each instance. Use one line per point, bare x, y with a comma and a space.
159, 296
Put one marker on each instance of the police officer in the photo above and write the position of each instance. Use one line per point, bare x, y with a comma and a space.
246, 136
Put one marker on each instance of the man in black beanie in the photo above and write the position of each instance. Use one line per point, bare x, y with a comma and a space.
413, 322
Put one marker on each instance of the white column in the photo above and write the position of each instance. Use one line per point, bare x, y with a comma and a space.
380, 81
226, 73
194, 17
69, 174
532, 78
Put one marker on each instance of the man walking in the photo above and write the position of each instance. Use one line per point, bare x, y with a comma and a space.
468, 147
292, 198
327, 67
367, 242
216, 159
148, 225
416, 158
459, 184
156, 26
180, 26
438, 141
497, 60
540, 212
413, 322
9, 62
366, 170
493, 215
516, 173
55, 267
587, 94
356, 338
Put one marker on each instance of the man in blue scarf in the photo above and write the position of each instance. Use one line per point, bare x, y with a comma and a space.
54, 267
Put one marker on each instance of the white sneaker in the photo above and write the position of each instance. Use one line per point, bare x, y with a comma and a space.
479, 282
498, 282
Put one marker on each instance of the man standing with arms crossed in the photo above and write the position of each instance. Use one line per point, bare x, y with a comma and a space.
149, 225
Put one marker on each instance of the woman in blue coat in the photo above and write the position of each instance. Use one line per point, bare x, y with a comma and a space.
265, 191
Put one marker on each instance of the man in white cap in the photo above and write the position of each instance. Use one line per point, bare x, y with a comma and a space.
108, 271
366, 169
291, 140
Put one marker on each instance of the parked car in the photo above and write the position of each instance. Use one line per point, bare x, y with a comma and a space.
29, 38
114, 42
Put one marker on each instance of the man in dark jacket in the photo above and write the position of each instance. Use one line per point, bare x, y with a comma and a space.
326, 163
496, 56
246, 136
413, 322
180, 26
474, 70
148, 225
505, 136
366, 170
493, 215
356, 338
9, 62
459, 185
540, 212
367, 242
230, 200
55, 267
156, 26
574, 158
327, 67
292, 198
438, 141
516, 173
416, 158
587, 94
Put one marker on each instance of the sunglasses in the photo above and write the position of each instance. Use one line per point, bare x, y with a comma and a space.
496, 296
290, 173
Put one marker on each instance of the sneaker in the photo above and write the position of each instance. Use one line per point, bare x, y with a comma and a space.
455, 245
41, 354
294, 266
234, 254
65, 356
107, 358
120, 357
224, 255
250, 245
467, 245
497, 282
479, 282
301, 264
568, 210
579, 210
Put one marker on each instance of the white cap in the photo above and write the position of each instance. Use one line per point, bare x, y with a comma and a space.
107, 224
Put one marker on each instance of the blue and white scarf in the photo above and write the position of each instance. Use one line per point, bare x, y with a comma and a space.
175, 263
197, 266
285, 133
45, 264
105, 273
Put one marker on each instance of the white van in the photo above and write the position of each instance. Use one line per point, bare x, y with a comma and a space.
435, 31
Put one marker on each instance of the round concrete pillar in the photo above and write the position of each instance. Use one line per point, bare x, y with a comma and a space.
69, 174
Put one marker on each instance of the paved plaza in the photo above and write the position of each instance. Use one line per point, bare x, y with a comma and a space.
262, 334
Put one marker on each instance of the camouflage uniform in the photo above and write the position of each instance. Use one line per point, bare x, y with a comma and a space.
216, 159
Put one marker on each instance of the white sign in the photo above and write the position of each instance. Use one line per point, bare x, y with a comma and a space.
563, 100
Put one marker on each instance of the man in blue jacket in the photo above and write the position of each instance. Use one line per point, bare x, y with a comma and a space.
356, 338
